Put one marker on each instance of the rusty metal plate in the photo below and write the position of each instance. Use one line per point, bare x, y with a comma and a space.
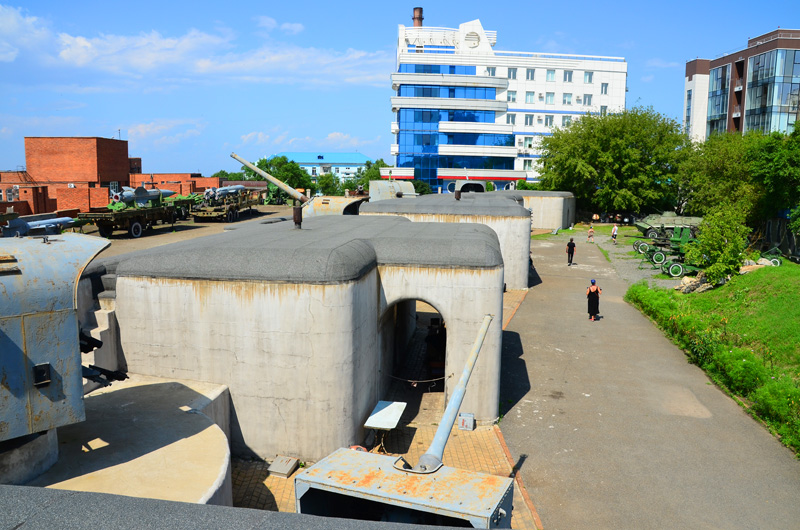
483, 500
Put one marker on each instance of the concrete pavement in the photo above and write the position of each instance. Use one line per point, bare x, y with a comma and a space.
613, 428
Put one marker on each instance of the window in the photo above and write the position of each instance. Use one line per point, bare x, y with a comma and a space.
566, 120
529, 74
511, 119
491, 71
512, 73
604, 88
587, 77
567, 99
551, 75
529, 97
529, 120
568, 76
550, 98
529, 142
603, 110
511, 96
548, 120
527, 164
587, 99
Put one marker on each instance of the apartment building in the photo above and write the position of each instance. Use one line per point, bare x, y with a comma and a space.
756, 88
465, 111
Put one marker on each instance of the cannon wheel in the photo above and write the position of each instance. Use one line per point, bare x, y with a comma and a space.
651, 233
636, 245
659, 257
105, 230
676, 270
776, 262
135, 230
643, 247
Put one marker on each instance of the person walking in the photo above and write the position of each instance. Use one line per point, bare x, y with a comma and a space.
570, 251
590, 234
593, 297
614, 233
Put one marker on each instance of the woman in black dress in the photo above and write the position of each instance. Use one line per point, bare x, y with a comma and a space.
593, 296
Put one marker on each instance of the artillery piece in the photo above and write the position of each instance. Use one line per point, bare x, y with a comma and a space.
664, 225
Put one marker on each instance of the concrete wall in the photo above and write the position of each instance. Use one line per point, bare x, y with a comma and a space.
514, 234
550, 212
299, 360
463, 298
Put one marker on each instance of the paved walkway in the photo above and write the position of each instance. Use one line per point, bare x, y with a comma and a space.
612, 428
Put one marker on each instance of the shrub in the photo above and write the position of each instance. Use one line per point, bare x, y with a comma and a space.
742, 371
778, 400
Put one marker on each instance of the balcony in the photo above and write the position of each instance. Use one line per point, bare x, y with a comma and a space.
395, 127
498, 83
394, 149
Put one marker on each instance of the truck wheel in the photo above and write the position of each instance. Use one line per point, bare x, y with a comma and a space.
676, 270
236, 215
229, 217
135, 230
670, 234
105, 230
651, 233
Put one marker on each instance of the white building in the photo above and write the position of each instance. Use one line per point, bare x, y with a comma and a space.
343, 165
465, 111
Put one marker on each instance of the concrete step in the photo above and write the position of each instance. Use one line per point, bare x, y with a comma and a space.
107, 300
109, 281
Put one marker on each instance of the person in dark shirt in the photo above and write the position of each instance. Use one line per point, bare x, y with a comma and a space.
593, 297
570, 251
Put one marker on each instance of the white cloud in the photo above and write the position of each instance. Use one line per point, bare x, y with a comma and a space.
5, 131
292, 28
255, 137
20, 32
660, 63
164, 132
342, 140
268, 23
648, 78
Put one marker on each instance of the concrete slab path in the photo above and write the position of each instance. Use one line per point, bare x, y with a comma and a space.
611, 427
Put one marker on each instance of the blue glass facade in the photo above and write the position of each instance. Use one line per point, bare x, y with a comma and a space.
436, 69
773, 91
433, 91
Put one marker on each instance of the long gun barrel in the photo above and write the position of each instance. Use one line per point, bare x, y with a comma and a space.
282, 185
432, 459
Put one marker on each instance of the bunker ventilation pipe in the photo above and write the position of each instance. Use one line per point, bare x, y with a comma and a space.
432, 459
297, 216
417, 18
458, 195
293, 193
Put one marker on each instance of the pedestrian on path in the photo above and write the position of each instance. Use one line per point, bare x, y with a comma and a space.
593, 297
614, 233
570, 251
590, 234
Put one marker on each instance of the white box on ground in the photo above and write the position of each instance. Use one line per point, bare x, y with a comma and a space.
283, 466
466, 421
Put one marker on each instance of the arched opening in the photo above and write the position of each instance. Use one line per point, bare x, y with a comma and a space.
477, 187
414, 351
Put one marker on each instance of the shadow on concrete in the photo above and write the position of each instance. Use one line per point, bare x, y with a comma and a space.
399, 440
249, 486
122, 426
533, 277
514, 382
518, 465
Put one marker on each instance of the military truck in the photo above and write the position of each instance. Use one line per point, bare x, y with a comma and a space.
663, 225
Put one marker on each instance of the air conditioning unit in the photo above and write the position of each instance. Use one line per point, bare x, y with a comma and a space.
15, 187
541, 97
70, 185
539, 119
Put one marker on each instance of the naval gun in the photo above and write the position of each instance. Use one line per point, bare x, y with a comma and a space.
360, 485
314, 206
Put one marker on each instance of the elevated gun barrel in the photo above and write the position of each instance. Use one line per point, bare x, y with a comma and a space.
432, 459
282, 185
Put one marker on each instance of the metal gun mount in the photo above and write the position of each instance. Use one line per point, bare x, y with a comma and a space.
359, 485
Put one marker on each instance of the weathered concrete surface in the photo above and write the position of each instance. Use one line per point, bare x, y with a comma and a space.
549, 209
150, 438
294, 322
619, 431
502, 213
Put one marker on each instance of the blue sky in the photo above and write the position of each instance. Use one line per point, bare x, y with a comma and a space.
186, 83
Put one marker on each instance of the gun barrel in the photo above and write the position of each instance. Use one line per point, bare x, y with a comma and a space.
282, 185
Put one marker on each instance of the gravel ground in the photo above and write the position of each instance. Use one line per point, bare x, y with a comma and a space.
625, 264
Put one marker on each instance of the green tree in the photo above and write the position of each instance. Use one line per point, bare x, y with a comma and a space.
329, 184
523, 184
370, 171
421, 187
774, 163
624, 161
224, 175
721, 241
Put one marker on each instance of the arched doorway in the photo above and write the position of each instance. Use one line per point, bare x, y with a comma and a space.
413, 338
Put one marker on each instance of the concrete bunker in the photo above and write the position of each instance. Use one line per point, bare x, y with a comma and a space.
290, 320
